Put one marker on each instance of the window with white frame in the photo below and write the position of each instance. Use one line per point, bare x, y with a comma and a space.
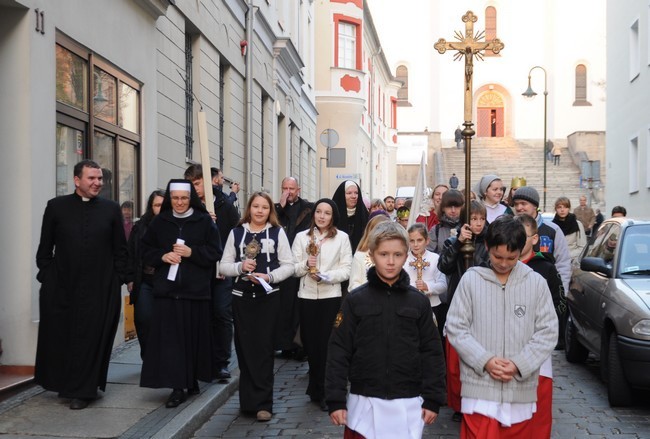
634, 165
347, 45
634, 48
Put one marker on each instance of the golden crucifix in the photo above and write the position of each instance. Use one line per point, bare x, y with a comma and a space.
468, 46
419, 264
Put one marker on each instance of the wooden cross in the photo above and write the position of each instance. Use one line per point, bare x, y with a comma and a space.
469, 46
419, 264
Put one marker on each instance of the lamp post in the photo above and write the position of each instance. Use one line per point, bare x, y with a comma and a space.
529, 93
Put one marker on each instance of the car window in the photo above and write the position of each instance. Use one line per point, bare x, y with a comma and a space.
594, 248
635, 250
607, 247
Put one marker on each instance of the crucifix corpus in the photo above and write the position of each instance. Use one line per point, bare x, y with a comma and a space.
468, 46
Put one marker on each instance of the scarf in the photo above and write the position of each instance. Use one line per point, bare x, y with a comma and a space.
568, 225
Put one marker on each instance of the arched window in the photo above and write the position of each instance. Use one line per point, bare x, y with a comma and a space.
490, 27
581, 86
402, 75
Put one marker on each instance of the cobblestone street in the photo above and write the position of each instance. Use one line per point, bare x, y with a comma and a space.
580, 410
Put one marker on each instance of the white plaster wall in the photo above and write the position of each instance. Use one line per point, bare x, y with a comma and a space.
627, 109
19, 235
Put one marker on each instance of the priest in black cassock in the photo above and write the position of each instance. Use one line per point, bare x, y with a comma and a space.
82, 261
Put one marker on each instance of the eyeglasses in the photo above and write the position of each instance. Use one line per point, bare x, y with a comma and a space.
183, 199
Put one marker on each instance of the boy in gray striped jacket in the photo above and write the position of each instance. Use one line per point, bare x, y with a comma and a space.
503, 326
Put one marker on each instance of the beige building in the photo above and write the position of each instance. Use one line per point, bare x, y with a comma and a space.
122, 82
356, 98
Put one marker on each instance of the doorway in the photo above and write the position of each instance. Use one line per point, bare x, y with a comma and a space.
490, 122
490, 114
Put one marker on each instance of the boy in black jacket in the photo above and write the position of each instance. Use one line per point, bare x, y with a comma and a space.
385, 342
542, 263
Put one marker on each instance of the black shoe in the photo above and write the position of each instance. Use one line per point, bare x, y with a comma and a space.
176, 398
79, 404
287, 353
194, 390
323, 405
300, 355
457, 417
223, 374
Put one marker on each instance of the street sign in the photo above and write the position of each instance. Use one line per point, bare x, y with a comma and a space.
348, 176
336, 157
329, 138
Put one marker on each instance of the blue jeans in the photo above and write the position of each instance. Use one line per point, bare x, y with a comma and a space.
142, 313
222, 328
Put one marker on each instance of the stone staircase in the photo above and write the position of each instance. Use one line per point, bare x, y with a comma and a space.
508, 158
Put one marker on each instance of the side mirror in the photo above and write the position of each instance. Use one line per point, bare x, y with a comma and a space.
596, 265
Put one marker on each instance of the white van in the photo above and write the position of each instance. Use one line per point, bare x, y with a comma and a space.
406, 192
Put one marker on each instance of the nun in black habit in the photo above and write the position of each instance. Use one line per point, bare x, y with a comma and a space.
181, 239
353, 213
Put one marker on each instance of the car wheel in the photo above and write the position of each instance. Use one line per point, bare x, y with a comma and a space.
574, 351
618, 390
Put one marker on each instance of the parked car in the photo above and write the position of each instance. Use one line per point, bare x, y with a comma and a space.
609, 307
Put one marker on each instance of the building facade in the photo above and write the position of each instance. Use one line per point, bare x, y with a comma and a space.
122, 82
565, 38
628, 120
356, 98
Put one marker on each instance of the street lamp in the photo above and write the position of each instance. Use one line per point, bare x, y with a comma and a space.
529, 93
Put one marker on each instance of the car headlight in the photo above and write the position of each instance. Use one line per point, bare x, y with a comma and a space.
642, 328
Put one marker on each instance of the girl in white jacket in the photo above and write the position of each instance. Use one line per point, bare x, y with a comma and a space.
432, 282
324, 259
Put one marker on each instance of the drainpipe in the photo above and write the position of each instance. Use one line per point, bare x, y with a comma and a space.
248, 147
372, 122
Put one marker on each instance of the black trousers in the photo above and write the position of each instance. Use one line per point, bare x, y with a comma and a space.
316, 320
222, 322
288, 319
255, 320
440, 311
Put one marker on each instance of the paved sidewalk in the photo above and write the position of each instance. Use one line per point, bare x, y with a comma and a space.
126, 410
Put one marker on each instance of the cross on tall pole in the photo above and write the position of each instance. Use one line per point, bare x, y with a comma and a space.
468, 46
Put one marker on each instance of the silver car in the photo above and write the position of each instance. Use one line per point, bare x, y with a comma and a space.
609, 304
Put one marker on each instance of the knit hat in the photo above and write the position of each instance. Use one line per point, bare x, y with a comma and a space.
527, 193
377, 213
484, 183
335, 209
